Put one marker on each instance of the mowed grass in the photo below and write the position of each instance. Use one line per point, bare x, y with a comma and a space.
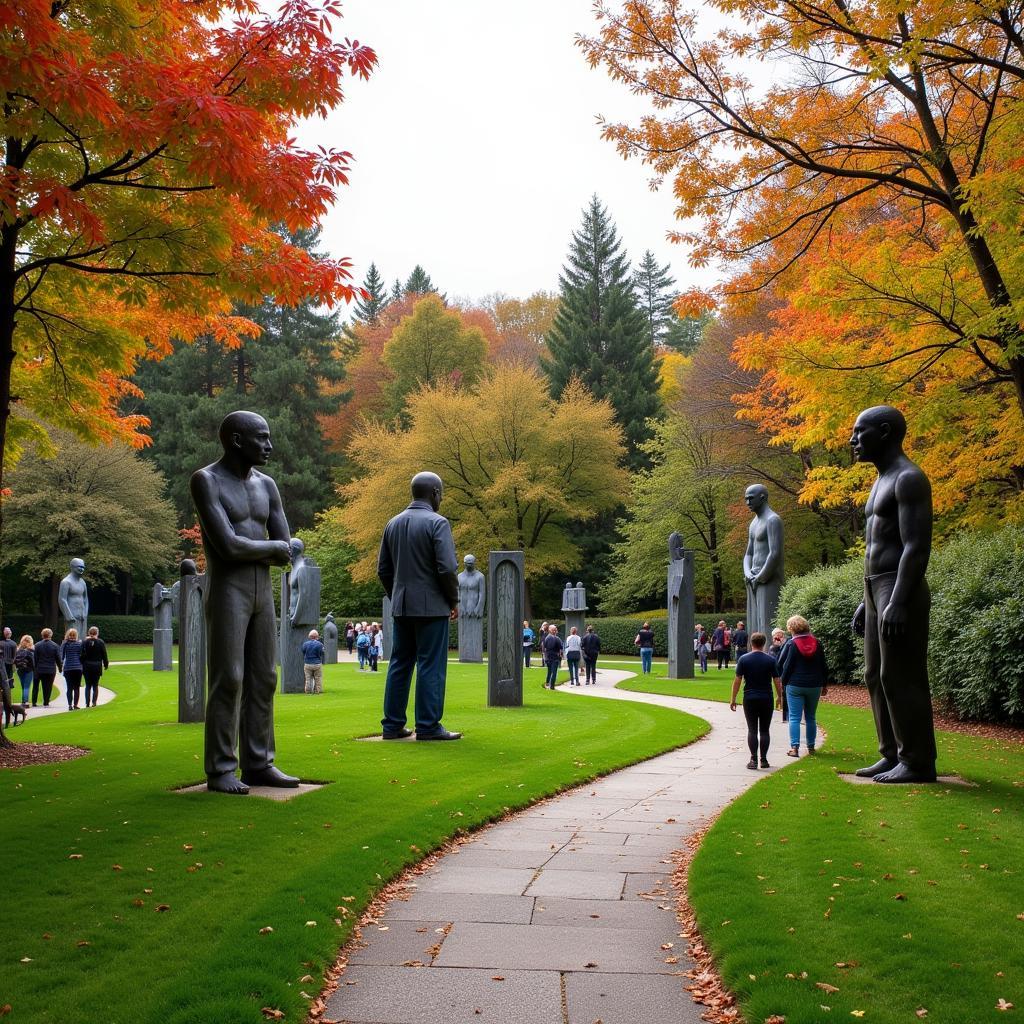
824, 900
715, 685
132, 903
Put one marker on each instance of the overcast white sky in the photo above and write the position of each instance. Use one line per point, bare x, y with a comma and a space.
476, 147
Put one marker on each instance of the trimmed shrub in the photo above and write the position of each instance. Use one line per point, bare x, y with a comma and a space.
114, 629
977, 625
828, 597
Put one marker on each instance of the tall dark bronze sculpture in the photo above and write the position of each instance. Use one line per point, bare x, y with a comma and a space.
763, 563
893, 618
245, 532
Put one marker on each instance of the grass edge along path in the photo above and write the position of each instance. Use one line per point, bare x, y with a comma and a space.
143, 905
824, 900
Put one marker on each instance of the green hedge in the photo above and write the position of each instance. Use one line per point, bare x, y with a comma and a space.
976, 630
827, 598
114, 629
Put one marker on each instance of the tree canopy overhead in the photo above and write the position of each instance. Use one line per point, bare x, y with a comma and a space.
148, 152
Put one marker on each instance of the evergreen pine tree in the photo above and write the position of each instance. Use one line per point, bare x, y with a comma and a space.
397, 292
600, 334
684, 335
419, 282
281, 375
367, 310
654, 295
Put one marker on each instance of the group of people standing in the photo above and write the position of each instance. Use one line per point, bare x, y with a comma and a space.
37, 664
367, 640
797, 669
719, 643
576, 649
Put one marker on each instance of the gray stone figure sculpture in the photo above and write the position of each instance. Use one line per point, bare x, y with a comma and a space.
300, 612
244, 532
191, 644
472, 601
506, 600
387, 628
680, 609
329, 635
893, 618
73, 598
763, 562
574, 605
163, 628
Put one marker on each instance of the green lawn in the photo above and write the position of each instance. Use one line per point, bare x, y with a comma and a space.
716, 685
919, 891
98, 947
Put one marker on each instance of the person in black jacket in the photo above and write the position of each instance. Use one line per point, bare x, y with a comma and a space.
94, 661
591, 649
741, 639
8, 646
551, 647
48, 664
25, 665
419, 572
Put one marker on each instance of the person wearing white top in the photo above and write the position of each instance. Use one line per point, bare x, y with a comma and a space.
573, 652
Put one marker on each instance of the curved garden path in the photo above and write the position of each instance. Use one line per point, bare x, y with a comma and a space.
563, 913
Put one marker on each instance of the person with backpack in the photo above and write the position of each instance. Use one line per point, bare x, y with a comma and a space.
363, 647
591, 644
804, 675
94, 661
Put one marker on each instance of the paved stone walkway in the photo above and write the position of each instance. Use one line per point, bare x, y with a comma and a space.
561, 914
58, 702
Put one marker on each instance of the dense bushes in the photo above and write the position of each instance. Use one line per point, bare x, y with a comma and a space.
976, 652
827, 598
114, 629
976, 633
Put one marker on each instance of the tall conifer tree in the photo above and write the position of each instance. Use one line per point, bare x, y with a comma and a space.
654, 295
419, 282
367, 310
600, 333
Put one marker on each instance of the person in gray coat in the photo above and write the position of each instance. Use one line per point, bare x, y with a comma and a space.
419, 572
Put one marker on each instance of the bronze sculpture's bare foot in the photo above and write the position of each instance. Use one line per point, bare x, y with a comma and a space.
270, 776
226, 783
885, 765
902, 773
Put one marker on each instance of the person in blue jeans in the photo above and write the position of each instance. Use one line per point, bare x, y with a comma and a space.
805, 679
527, 643
25, 665
551, 647
645, 641
573, 653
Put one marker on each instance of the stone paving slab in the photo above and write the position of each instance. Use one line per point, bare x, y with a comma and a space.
559, 948
624, 999
577, 880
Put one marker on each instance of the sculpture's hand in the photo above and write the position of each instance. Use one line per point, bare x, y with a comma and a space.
858, 620
281, 552
455, 613
894, 620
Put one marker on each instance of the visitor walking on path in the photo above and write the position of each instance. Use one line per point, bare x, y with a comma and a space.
363, 647
573, 653
71, 657
313, 663
25, 665
527, 643
645, 641
350, 636
718, 644
741, 639
758, 673
776, 649
805, 677
591, 649
94, 661
9, 648
47, 665
551, 648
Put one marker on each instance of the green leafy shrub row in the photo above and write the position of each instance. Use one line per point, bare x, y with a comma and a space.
114, 629
976, 630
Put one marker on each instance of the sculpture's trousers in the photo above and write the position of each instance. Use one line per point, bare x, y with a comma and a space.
420, 643
240, 643
896, 673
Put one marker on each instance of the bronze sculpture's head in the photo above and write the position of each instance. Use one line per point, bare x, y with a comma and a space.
756, 497
877, 430
246, 435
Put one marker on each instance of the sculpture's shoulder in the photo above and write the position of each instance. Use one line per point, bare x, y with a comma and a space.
263, 481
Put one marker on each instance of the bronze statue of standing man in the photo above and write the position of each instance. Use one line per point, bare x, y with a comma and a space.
244, 533
893, 618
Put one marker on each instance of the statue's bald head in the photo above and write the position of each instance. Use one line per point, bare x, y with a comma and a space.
756, 496
427, 487
240, 423
878, 430
246, 436
886, 416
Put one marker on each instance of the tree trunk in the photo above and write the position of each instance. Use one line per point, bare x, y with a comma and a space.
716, 565
527, 600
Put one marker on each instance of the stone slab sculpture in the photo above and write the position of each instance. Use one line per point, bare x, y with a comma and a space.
73, 598
300, 612
893, 618
387, 628
574, 606
680, 609
763, 562
245, 532
506, 600
163, 628
472, 601
329, 635
191, 644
